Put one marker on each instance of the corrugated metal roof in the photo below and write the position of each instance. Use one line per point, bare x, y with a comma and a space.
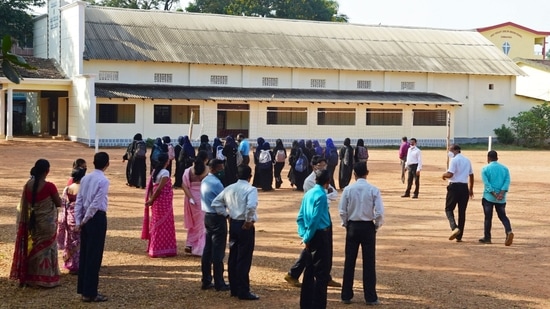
133, 91
122, 34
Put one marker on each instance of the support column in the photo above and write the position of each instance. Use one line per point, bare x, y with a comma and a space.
2, 113
9, 114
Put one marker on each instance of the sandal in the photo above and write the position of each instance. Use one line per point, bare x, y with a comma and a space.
97, 299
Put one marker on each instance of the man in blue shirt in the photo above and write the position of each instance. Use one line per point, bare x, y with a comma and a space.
244, 148
216, 229
315, 229
496, 181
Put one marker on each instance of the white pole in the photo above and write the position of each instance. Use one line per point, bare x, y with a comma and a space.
448, 142
191, 126
96, 141
490, 145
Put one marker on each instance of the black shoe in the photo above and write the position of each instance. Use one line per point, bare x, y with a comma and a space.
406, 195
223, 288
207, 286
249, 296
415, 196
484, 241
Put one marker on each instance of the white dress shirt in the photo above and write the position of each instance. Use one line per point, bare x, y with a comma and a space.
240, 198
361, 201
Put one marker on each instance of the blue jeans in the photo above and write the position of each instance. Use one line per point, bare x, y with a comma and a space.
501, 212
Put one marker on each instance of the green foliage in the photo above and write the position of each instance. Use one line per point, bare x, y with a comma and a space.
505, 135
10, 60
149, 142
15, 20
532, 128
322, 10
165, 5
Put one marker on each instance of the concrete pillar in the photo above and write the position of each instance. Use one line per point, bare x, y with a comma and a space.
9, 114
2, 113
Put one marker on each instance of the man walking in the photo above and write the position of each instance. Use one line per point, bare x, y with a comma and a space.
318, 163
362, 213
496, 181
239, 202
91, 221
315, 229
403, 150
459, 190
215, 223
414, 166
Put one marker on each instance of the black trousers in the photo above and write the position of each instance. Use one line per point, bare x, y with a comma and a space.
457, 194
139, 172
360, 233
241, 247
214, 249
316, 274
92, 243
412, 176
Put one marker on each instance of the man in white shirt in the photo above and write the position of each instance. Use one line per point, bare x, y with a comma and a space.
238, 203
91, 221
459, 190
414, 166
362, 213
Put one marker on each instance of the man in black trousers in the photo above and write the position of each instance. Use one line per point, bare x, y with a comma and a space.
362, 213
91, 221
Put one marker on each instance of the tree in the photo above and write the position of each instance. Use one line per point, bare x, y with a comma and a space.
532, 128
166, 5
322, 10
9, 61
15, 20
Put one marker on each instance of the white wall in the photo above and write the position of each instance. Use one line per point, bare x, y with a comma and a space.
40, 37
72, 38
535, 85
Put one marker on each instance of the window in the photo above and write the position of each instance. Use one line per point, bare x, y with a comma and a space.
364, 84
218, 79
336, 116
287, 115
429, 117
179, 114
270, 81
384, 117
163, 78
108, 75
115, 113
407, 85
318, 83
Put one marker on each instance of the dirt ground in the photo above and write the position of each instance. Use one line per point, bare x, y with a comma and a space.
417, 266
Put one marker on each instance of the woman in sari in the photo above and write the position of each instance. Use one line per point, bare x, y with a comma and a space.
35, 257
158, 227
68, 239
193, 216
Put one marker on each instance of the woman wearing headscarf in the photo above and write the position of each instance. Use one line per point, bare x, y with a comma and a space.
259, 143
68, 239
155, 152
158, 223
294, 153
35, 256
300, 177
139, 167
361, 152
265, 168
279, 152
179, 167
205, 145
185, 158
230, 152
331, 155
193, 215
317, 147
346, 164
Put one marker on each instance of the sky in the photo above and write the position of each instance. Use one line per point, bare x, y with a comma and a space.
446, 14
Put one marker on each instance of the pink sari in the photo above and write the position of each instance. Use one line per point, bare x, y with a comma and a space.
193, 216
68, 239
158, 227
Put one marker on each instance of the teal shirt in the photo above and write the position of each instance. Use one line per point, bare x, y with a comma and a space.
496, 177
313, 214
